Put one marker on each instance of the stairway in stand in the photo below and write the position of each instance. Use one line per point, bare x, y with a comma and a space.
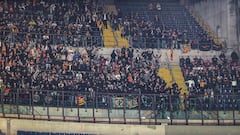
113, 39
178, 76
108, 37
121, 42
164, 73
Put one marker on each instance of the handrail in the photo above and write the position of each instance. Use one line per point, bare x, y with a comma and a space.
115, 39
155, 109
170, 68
205, 26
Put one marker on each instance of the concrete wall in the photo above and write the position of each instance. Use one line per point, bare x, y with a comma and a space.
202, 130
112, 129
3, 125
70, 127
106, 52
220, 15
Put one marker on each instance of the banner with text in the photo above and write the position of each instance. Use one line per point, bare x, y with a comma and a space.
118, 102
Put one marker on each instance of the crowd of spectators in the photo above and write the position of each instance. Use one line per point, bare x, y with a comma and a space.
49, 22
38, 51
159, 27
214, 73
80, 23
66, 68
45, 62
209, 78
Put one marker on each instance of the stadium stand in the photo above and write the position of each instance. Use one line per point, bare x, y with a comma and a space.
49, 48
52, 23
215, 76
168, 26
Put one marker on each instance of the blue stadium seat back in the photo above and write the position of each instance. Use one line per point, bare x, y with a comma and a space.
30, 133
39, 133
25, 133
20, 132
45, 133
54, 133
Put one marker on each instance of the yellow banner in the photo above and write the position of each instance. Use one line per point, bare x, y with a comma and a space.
80, 100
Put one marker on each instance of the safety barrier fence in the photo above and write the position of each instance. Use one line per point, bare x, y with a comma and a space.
137, 108
96, 39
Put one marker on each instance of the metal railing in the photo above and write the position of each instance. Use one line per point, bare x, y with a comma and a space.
121, 107
54, 39
81, 40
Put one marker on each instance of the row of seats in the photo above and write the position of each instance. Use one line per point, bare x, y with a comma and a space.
217, 75
69, 23
173, 21
62, 26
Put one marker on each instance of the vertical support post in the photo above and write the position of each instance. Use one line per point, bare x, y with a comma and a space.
78, 111
93, 108
170, 108
48, 108
109, 105
2, 102
233, 109
218, 121
17, 103
201, 101
186, 116
154, 109
186, 110
96, 101
124, 108
139, 108
32, 104
63, 106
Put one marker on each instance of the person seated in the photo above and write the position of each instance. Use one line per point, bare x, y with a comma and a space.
222, 56
182, 61
158, 6
214, 60
150, 6
234, 57
188, 61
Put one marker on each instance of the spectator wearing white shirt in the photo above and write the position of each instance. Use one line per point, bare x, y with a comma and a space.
191, 85
158, 7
